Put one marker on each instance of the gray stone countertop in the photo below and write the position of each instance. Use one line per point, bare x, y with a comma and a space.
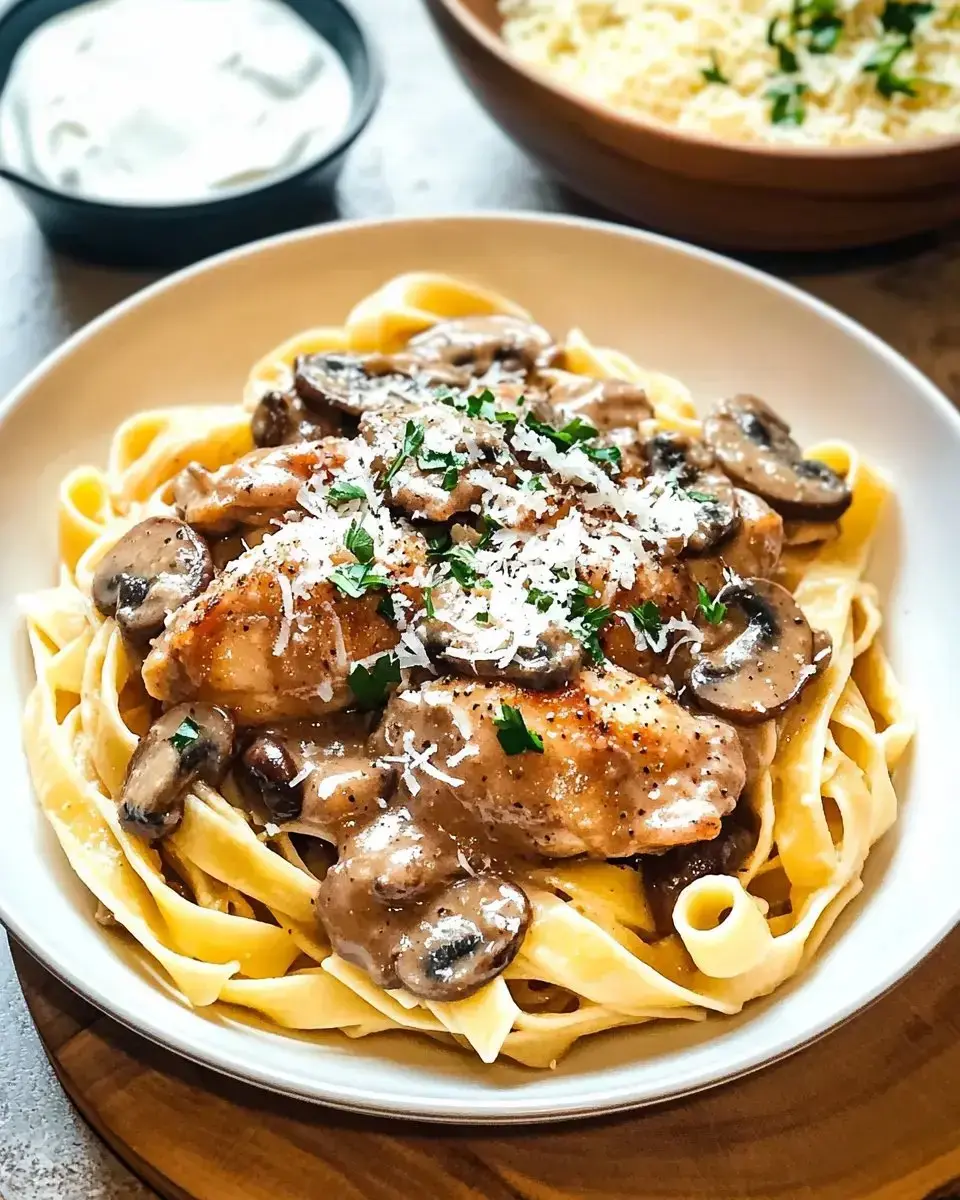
430, 149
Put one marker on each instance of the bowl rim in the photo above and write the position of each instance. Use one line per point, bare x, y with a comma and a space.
476, 29
506, 1108
364, 104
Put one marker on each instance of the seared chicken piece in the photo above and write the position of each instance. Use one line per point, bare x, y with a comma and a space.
258, 486
266, 650
624, 769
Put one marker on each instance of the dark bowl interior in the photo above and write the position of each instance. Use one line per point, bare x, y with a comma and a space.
144, 235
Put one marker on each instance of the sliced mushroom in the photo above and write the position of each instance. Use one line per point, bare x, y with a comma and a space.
154, 568
189, 742
478, 342
666, 875
689, 465
754, 447
355, 383
605, 403
552, 662
468, 935
758, 659
280, 419
266, 772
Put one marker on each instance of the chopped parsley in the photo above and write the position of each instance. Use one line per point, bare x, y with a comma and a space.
788, 107
357, 579
586, 622
540, 599
902, 18
359, 543
460, 563
186, 733
713, 74
882, 63
482, 618
647, 619
820, 20
386, 608
713, 610
428, 605
370, 685
577, 430
413, 435
533, 484
603, 454
702, 497
786, 58
482, 406
439, 544
488, 527
513, 734
451, 477
343, 493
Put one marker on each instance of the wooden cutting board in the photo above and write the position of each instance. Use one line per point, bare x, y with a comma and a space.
871, 1112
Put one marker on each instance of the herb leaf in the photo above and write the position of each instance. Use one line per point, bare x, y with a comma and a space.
882, 62
825, 31
898, 17
359, 543
713, 74
604, 454
488, 527
342, 493
428, 605
540, 599
386, 607
370, 685
713, 610
787, 97
413, 435
460, 561
513, 734
586, 622
577, 430
533, 484
701, 497
786, 58
647, 619
186, 733
357, 579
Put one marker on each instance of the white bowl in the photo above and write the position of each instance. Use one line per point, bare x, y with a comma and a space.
721, 328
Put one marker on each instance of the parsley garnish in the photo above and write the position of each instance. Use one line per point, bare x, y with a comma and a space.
713, 610
186, 733
646, 618
898, 17
451, 477
574, 431
370, 686
540, 599
882, 62
359, 543
482, 618
702, 497
357, 579
412, 441
439, 544
459, 561
386, 607
482, 407
342, 493
587, 622
713, 74
533, 484
488, 527
818, 18
428, 606
603, 454
513, 734
786, 59
787, 107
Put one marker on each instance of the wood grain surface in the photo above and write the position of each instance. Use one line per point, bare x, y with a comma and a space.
871, 1112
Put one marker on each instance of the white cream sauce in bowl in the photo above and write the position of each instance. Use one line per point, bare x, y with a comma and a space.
171, 101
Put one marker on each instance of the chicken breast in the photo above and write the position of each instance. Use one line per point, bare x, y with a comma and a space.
273, 637
258, 486
624, 769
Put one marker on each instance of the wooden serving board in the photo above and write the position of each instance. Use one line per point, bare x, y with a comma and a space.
871, 1112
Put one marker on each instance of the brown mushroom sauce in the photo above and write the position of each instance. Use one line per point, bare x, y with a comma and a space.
424, 889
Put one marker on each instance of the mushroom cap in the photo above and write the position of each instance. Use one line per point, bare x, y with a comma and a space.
479, 342
357, 383
466, 936
552, 663
760, 656
754, 447
280, 419
265, 771
691, 466
605, 403
153, 569
188, 742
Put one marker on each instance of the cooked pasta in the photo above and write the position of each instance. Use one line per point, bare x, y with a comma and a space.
223, 609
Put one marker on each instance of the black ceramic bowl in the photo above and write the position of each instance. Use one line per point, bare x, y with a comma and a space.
146, 235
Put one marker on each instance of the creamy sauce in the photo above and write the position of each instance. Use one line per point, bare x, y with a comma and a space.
167, 101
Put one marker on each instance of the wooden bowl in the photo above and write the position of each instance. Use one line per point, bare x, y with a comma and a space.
734, 195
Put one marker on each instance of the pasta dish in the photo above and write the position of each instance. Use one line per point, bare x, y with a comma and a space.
462, 680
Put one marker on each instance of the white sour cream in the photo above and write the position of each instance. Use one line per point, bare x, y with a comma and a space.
166, 101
